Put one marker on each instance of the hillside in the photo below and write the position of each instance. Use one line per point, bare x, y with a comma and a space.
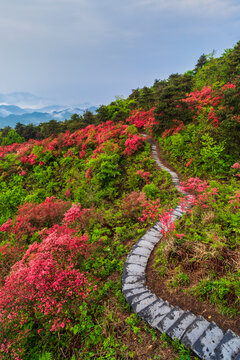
73, 204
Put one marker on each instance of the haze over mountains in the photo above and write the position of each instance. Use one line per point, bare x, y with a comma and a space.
27, 108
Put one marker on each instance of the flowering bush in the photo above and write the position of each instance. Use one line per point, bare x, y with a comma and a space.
132, 204
144, 175
132, 144
150, 210
236, 168
32, 217
143, 119
178, 126
197, 100
45, 287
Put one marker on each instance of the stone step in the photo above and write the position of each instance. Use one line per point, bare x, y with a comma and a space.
159, 312
139, 250
145, 244
205, 346
140, 297
129, 283
229, 346
178, 211
153, 232
170, 319
158, 226
194, 331
136, 259
181, 325
134, 269
152, 312
143, 304
129, 294
152, 236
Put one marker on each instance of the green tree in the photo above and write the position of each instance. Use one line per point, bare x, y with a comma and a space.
12, 137
200, 63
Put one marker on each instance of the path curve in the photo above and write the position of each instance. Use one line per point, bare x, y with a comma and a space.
205, 338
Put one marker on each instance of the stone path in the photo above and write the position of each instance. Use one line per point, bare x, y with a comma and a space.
205, 338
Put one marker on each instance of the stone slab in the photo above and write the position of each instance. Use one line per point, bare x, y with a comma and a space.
144, 303
133, 292
134, 269
137, 259
145, 244
139, 250
178, 329
152, 239
229, 346
194, 331
140, 297
208, 341
170, 319
153, 232
154, 313
131, 286
131, 279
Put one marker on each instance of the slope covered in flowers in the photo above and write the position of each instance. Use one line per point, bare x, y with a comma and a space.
70, 207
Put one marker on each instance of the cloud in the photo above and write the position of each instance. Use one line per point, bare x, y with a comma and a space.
191, 7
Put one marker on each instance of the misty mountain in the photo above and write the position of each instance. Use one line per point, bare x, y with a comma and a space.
35, 110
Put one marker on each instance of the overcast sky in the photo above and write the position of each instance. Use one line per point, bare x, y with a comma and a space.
76, 51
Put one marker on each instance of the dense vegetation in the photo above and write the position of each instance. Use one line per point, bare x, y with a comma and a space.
76, 195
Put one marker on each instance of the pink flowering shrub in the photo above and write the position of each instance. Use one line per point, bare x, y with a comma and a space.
235, 200
189, 162
44, 288
150, 210
236, 169
143, 119
199, 193
213, 118
177, 127
77, 216
197, 100
132, 144
9, 255
144, 175
167, 221
132, 204
32, 217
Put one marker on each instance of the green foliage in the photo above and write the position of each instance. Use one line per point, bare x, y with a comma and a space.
212, 155
224, 292
46, 356
184, 353
11, 138
151, 190
180, 278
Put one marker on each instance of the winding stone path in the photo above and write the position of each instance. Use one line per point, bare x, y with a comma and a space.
205, 338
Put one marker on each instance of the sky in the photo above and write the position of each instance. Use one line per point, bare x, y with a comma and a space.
77, 51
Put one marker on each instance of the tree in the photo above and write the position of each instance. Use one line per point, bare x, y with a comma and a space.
102, 114
200, 63
88, 118
12, 137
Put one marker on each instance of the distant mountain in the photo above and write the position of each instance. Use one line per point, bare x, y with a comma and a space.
24, 100
27, 108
